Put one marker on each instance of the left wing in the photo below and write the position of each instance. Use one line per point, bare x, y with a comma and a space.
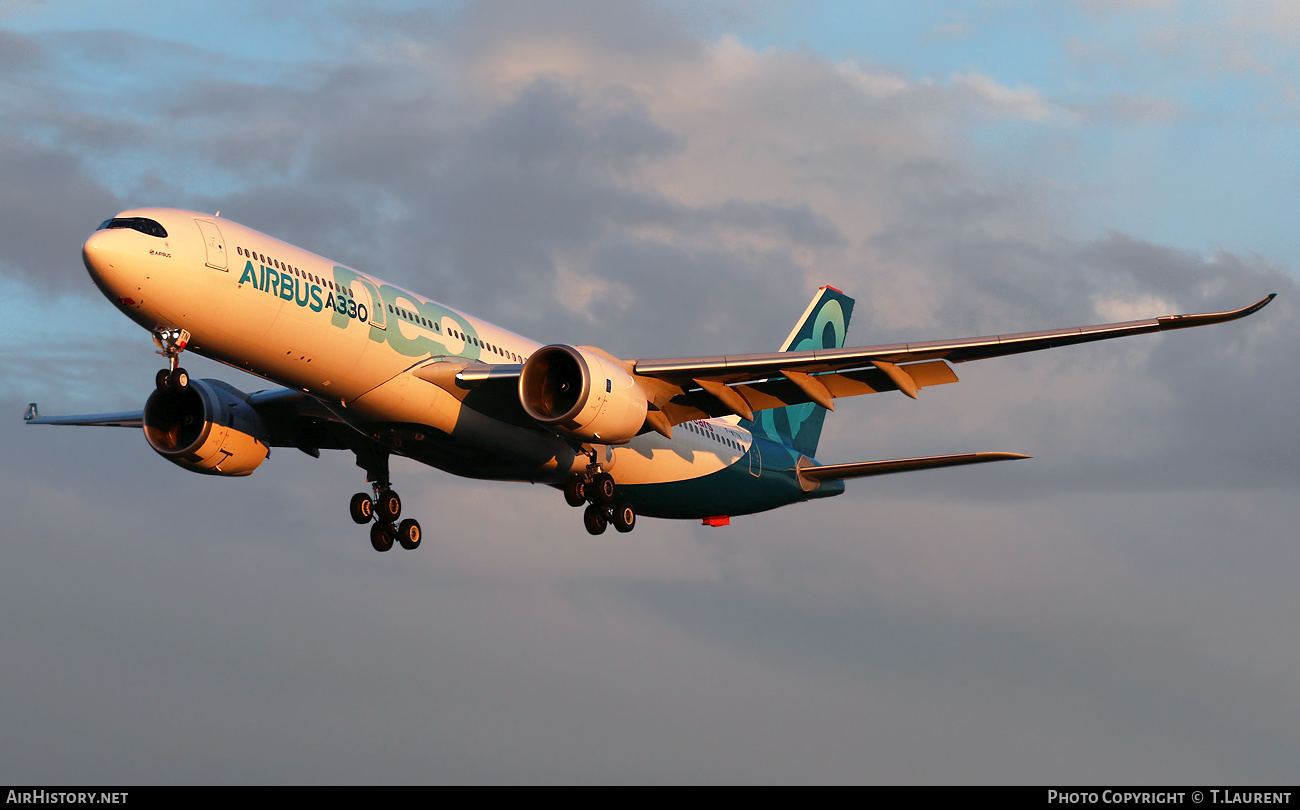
290, 418
688, 388
133, 419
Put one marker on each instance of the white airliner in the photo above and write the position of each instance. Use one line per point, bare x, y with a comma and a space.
375, 369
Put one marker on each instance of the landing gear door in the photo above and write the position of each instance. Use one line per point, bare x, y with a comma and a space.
213, 244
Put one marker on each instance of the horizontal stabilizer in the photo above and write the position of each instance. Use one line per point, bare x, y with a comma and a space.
833, 472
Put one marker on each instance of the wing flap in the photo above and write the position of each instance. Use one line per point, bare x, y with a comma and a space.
779, 392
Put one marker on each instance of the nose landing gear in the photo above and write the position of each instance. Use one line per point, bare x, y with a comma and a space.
171, 342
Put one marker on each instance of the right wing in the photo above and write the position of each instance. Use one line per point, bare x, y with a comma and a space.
698, 387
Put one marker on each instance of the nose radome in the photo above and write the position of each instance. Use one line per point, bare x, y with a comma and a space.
103, 255
94, 256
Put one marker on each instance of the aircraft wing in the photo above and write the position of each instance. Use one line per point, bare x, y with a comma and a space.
133, 419
691, 388
292, 418
279, 402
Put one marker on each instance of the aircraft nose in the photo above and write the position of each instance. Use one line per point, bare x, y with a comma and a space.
104, 257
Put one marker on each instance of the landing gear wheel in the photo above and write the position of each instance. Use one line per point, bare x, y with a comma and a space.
178, 379
408, 534
623, 517
160, 381
595, 519
389, 506
602, 489
361, 508
381, 536
575, 491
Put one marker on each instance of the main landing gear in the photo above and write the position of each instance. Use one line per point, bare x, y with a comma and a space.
385, 508
604, 508
171, 343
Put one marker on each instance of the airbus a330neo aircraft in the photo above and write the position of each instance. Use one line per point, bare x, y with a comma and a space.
375, 369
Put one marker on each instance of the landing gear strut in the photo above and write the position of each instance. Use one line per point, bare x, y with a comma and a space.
171, 342
385, 507
597, 488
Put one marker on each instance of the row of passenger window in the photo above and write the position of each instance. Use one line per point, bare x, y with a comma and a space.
271, 261
451, 332
695, 427
411, 316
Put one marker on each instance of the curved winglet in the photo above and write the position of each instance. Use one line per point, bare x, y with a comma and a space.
1184, 321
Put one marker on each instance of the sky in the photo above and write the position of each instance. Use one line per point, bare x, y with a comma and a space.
673, 179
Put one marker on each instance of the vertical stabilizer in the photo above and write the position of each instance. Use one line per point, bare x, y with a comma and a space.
823, 326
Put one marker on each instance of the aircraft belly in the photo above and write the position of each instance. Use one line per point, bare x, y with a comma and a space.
730, 491
469, 443
674, 479
409, 400
652, 459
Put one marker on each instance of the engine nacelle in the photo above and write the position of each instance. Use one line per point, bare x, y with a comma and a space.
208, 427
582, 392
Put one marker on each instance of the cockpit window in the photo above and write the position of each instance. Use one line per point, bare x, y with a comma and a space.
146, 226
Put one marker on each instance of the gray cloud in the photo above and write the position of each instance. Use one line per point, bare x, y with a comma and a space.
18, 53
49, 202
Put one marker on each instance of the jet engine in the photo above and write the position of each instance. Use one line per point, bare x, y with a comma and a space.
207, 427
583, 393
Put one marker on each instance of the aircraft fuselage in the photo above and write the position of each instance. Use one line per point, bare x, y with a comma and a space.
350, 340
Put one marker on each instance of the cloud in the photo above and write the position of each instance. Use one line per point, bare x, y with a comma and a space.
1121, 6
1021, 102
49, 202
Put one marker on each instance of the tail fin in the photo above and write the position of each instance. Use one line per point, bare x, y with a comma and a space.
823, 326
